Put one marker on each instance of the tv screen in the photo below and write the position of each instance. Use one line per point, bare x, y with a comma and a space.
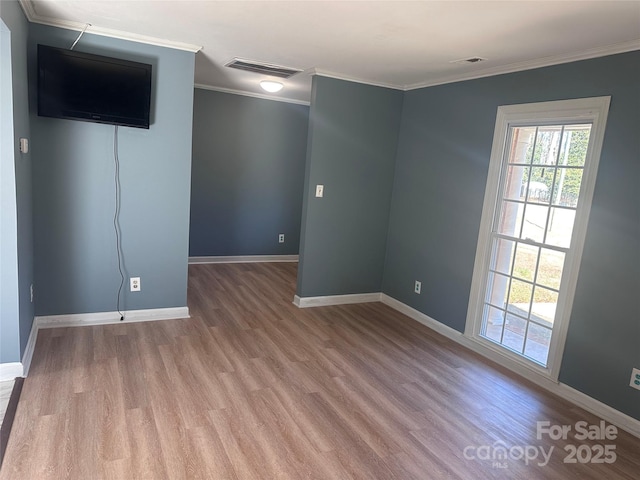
93, 88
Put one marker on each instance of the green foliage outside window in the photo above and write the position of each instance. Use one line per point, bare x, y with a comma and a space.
542, 170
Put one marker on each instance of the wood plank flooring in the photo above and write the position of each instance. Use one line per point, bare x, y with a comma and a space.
6, 388
251, 387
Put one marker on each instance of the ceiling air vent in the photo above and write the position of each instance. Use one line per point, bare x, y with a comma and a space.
469, 60
264, 68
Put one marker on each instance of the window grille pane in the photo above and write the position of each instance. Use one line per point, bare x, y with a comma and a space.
543, 309
514, 332
510, 218
560, 227
520, 296
550, 268
537, 345
522, 139
497, 291
502, 255
566, 187
577, 140
535, 221
493, 323
525, 262
547, 145
540, 183
516, 182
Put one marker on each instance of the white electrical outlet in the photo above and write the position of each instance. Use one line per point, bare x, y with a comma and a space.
635, 379
418, 287
281, 238
135, 284
31, 292
319, 191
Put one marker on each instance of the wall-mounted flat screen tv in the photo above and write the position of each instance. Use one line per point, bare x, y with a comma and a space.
93, 88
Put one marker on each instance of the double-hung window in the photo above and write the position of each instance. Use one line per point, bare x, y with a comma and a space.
541, 178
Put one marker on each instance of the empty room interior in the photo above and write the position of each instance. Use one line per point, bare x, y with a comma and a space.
323, 239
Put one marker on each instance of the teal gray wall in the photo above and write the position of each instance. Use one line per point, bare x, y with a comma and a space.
353, 133
428, 232
16, 275
441, 170
247, 175
76, 270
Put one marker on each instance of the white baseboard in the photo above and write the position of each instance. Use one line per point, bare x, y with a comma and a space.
426, 320
458, 337
304, 302
9, 371
602, 410
30, 348
104, 318
243, 259
607, 413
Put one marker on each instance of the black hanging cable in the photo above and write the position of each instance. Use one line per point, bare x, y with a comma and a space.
116, 215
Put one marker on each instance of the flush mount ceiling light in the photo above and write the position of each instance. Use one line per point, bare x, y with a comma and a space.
270, 86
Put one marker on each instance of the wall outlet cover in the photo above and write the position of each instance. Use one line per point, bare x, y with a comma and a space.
635, 379
134, 284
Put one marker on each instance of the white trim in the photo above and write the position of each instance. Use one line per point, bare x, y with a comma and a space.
305, 302
599, 113
593, 110
426, 320
30, 348
607, 413
347, 78
10, 371
597, 52
105, 318
243, 259
602, 410
33, 17
530, 64
251, 94
623, 47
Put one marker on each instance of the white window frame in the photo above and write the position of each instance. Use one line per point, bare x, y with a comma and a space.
584, 110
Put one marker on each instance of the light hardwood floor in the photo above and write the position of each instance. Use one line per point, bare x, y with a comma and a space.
5, 393
252, 387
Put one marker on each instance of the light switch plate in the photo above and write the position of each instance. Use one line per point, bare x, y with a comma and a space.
319, 191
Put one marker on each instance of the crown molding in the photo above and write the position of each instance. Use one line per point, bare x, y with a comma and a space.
632, 45
251, 94
498, 70
340, 76
33, 17
531, 64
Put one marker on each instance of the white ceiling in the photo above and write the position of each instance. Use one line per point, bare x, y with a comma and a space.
398, 44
